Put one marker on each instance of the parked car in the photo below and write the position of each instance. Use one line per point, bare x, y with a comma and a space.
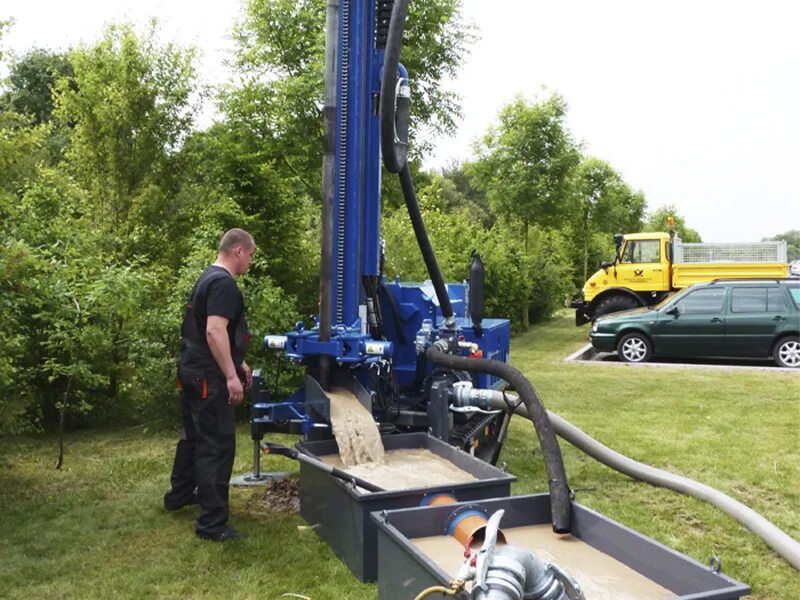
756, 318
794, 268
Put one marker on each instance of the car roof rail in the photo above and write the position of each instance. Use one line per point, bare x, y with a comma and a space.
753, 280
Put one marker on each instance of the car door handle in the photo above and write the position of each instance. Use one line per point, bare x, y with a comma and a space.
716, 320
778, 318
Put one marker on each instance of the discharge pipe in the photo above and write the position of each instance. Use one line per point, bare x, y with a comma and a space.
270, 448
560, 504
782, 543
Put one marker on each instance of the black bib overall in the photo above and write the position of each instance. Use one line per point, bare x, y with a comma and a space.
205, 452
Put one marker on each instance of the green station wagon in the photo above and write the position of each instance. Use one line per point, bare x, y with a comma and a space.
755, 318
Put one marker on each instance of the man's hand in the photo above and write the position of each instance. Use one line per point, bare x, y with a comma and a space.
235, 391
247, 372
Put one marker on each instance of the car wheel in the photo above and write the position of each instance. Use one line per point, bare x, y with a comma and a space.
615, 304
787, 352
634, 348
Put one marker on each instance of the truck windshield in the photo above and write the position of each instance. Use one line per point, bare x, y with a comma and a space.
642, 251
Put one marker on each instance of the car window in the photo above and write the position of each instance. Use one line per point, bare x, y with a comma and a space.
705, 301
642, 251
748, 299
795, 292
776, 300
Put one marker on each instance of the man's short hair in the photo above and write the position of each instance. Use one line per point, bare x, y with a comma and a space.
233, 238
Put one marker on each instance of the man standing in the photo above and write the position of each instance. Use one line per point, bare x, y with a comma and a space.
212, 374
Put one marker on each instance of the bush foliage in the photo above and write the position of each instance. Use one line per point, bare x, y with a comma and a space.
112, 202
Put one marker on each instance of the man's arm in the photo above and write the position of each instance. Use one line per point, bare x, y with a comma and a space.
219, 344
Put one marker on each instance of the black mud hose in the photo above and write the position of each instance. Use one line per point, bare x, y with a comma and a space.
425, 245
560, 504
394, 117
394, 107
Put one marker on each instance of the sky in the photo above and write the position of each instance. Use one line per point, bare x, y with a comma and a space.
695, 103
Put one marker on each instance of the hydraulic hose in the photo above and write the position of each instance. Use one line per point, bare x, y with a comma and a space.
782, 543
394, 116
560, 504
394, 110
425, 246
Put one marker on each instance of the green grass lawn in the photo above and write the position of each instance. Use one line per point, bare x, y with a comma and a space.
96, 529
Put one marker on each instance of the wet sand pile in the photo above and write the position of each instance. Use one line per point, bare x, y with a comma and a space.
406, 469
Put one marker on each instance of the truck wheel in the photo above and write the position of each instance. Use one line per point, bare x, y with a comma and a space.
615, 304
634, 348
787, 352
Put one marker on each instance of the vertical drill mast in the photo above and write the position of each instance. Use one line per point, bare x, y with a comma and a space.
356, 177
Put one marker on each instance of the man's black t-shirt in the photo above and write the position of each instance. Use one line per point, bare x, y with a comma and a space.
215, 294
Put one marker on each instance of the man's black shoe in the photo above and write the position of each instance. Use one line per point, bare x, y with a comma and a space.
223, 535
172, 505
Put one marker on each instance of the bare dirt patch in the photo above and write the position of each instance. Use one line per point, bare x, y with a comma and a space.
278, 495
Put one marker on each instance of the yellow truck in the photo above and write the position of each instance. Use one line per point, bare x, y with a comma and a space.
650, 266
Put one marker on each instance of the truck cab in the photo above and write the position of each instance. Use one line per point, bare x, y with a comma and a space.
639, 275
649, 266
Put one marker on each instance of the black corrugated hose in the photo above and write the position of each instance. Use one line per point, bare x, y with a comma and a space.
425, 246
394, 120
560, 503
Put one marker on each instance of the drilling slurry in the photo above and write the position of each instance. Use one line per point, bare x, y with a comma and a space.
405, 469
601, 577
355, 430
361, 451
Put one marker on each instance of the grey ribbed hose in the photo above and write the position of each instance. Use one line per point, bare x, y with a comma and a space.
775, 538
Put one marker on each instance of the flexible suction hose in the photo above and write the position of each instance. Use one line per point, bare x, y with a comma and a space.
553, 462
394, 114
779, 541
394, 111
425, 246
776, 539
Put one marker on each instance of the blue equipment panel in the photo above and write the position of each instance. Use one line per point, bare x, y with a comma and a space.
411, 304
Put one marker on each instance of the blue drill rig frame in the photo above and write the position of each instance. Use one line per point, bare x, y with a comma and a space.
372, 334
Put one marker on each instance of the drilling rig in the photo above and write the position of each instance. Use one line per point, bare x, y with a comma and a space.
424, 360
372, 334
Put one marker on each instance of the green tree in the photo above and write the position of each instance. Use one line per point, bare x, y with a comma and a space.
524, 164
792, 239
607, 206
657, 221
464, 192
129, 103
280, 55
32, 81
